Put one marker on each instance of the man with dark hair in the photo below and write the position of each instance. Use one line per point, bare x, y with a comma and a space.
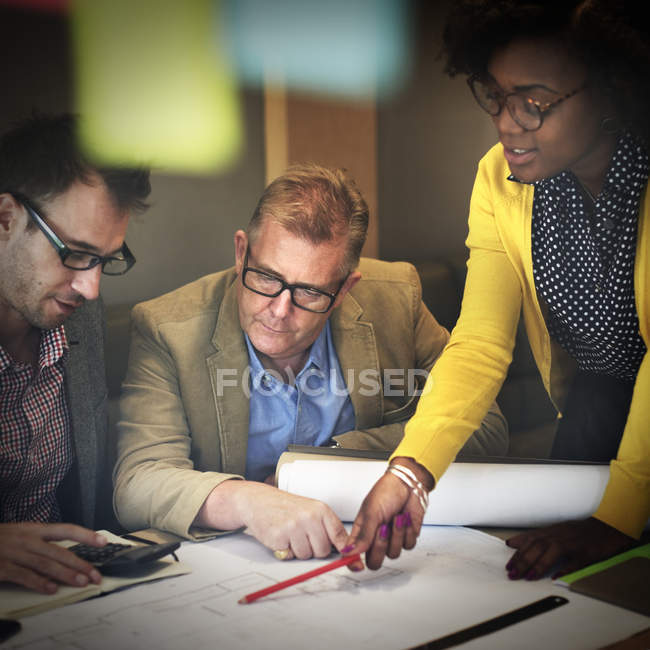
62, 224
300, 342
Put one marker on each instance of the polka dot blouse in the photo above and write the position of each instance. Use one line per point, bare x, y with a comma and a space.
583, 262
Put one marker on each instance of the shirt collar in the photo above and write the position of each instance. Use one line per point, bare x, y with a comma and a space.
52, 349
631, 154
5, 360
253, 359
627, 144
317, 354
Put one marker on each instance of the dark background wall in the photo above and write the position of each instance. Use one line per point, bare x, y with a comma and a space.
430, 138
34, 63
188, 230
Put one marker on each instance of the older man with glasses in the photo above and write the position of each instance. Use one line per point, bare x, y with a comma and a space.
62, 224
299, 342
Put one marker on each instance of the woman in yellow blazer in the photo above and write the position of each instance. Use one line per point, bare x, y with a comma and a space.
559, 228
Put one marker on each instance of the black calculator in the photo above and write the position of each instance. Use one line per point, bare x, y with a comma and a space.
121, 559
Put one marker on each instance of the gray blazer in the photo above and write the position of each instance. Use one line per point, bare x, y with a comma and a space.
85, 496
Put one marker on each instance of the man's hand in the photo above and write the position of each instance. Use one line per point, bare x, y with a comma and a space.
279, 520
389, 519
28, 558
579, 543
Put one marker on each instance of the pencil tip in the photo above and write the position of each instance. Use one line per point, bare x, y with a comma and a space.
242, 601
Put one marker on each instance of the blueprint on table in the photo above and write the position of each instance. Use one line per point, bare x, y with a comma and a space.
452, 579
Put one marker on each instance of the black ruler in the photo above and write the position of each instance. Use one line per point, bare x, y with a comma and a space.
494, 624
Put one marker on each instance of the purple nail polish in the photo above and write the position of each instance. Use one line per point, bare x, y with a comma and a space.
513, 574
531, 575
509, 566
399, 521
347, 548
383, 531
409, 521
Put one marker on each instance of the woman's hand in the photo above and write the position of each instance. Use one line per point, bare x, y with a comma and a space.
578, 543
389, 519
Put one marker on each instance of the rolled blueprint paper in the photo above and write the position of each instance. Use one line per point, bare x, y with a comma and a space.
468, 494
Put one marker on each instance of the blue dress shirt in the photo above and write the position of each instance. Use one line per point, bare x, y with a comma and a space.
310, 412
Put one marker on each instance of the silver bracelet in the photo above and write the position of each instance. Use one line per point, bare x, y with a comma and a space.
410, 474
412, 482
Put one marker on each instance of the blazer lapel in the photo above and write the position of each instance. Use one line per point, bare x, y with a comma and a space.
80, 393
228, 368
356, 348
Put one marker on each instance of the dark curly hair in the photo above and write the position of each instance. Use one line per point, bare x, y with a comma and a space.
611, 37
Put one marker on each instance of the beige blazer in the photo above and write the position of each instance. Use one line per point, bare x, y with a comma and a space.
184, 407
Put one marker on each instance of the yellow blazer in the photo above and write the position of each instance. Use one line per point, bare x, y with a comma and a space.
473, 365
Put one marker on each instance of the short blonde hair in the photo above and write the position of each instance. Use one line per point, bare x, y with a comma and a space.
317, 204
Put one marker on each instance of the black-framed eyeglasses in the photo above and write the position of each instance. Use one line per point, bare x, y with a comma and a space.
117, 264
524, 110
302, 296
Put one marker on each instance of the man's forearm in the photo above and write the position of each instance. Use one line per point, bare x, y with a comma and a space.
281, 521
222, 508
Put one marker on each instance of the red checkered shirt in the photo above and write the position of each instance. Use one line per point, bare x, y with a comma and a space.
35, 446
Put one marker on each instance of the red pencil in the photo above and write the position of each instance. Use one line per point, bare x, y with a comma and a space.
342, 561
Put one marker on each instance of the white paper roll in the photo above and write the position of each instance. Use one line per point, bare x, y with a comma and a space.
468, 494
